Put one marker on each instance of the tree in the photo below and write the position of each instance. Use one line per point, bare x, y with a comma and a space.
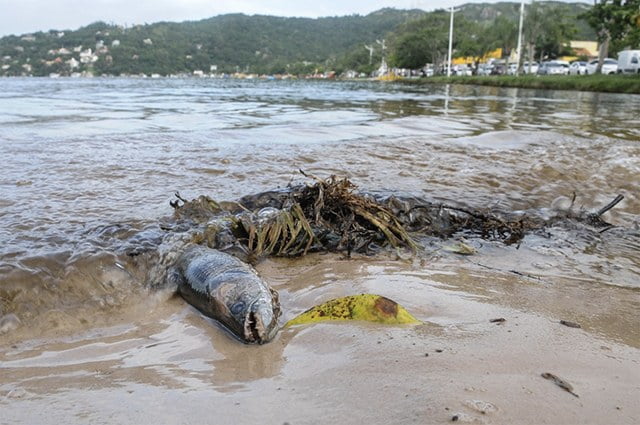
547, 30
359, 59
616, 21
477, 41
423, 41
505, 32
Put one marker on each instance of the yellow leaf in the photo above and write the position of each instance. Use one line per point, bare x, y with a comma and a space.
368, 307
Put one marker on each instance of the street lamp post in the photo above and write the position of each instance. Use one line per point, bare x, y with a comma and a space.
450, 42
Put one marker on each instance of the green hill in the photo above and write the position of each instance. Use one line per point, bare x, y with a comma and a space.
228, 43
234, 42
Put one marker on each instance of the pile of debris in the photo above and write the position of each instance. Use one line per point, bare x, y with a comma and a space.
330, 215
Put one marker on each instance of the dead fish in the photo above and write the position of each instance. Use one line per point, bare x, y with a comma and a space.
560, 382
229, 291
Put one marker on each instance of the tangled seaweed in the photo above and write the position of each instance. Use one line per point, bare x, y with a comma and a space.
330, 215
443, 221
327, 215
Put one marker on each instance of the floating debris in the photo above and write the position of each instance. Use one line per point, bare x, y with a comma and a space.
560, 382
570, 324
330, 215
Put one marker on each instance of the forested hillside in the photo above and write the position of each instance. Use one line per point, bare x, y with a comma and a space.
229, 43
250, 44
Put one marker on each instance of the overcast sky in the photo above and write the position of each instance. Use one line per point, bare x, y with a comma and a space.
24, 16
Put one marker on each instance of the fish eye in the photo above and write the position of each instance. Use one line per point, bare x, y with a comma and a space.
237, 307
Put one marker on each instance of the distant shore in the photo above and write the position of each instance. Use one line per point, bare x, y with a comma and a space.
596, 83
629, 84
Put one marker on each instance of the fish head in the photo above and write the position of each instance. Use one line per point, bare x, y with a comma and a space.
257, 320
261, 321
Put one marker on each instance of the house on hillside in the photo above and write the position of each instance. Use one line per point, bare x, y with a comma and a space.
87, 56
73, 63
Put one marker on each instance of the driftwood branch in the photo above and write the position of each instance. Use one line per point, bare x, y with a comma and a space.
610, 205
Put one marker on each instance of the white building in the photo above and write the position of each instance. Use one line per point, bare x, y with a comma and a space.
87, 56
73, 63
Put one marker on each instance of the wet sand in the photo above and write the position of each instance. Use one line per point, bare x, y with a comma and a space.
159, 361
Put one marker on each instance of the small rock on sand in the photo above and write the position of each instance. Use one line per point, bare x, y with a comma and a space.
9, 323
483, 407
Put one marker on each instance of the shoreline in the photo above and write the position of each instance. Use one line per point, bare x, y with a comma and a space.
623, 84
626, 84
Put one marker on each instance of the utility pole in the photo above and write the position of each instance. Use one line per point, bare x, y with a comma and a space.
450, 42
519, 49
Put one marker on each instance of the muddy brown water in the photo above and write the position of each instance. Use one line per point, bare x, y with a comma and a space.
90, 165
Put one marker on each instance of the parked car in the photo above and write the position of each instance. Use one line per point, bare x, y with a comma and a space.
577, 68
462, 70
629, 62
499, 69
513, 68
427, 71
610, 66
553, 68
485, 69
534, 68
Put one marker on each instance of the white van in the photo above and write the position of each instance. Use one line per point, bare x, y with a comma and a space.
629, 62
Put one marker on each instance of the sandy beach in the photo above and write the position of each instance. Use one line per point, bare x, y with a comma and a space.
160, 361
